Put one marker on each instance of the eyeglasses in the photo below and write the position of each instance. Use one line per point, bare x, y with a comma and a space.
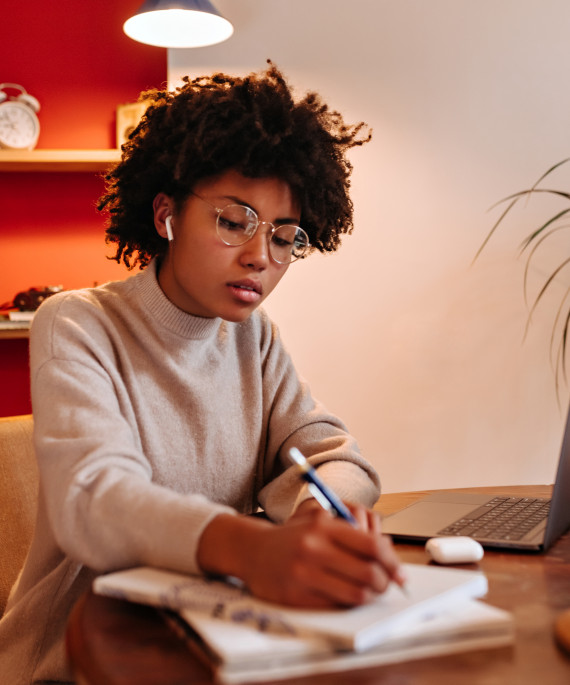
236, 224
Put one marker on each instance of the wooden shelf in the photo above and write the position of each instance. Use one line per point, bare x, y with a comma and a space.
58, 160
14, 333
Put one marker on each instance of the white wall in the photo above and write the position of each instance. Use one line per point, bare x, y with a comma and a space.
419, 351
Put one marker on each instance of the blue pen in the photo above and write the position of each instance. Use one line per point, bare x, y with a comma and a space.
323, 494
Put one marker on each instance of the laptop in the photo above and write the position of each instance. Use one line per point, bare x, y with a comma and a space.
503, 521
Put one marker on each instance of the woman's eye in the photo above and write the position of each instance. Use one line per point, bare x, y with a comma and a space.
230, 225
281, 242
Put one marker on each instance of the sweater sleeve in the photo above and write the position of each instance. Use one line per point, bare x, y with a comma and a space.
102, 504
295, 419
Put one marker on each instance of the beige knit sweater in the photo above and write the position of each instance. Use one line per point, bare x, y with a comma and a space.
148, 423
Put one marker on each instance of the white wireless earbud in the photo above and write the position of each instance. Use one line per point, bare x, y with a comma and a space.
169, 232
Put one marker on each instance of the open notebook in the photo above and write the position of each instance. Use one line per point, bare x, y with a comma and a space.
429, 589
246, 640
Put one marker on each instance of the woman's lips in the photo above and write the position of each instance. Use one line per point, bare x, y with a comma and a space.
247, 291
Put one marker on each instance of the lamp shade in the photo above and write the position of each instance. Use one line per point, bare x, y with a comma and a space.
182, 24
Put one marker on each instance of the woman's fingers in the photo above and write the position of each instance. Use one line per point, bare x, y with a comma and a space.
317, 560
368, 543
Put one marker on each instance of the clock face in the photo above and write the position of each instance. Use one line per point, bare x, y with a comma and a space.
19, 126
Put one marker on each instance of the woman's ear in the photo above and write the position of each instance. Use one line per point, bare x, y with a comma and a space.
163, 208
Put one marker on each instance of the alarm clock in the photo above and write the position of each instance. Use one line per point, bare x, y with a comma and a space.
19, 124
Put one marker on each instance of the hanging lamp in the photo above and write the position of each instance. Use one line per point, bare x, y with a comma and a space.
178, 24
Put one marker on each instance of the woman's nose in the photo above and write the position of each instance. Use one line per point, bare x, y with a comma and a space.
255, 253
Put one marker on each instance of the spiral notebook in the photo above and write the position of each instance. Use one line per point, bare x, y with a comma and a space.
244, 639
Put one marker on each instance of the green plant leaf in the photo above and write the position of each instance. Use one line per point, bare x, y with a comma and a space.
537, 244
528, 240
530, 245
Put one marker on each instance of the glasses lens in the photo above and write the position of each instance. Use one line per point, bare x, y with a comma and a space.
236, 224
288, 243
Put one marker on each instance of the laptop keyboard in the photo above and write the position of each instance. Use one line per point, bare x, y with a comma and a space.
503, 518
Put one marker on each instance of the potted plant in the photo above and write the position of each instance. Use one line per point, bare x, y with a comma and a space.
529, 247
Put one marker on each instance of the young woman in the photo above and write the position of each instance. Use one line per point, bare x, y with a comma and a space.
165, 404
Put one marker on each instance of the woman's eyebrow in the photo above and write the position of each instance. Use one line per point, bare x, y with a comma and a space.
237, 200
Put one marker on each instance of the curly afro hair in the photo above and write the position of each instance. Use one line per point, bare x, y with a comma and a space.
213, 124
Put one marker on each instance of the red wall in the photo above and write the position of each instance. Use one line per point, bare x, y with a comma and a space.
75, 58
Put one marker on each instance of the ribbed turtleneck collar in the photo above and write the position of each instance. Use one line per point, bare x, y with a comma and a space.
168, 314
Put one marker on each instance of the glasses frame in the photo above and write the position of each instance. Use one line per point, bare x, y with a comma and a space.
270, 234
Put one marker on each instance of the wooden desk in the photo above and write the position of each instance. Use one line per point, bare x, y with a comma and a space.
111, 642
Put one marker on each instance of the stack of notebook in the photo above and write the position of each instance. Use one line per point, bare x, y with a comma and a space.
247, 640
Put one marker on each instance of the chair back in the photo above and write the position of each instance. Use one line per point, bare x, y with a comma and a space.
19, 485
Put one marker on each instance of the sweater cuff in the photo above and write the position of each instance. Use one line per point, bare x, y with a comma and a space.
349, 481
177, 548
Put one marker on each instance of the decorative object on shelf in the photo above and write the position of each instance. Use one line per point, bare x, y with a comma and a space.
178, 24
30, 300
128, 116
17, 316
19, 123
560, 337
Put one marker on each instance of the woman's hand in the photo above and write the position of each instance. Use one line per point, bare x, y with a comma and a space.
312, 560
